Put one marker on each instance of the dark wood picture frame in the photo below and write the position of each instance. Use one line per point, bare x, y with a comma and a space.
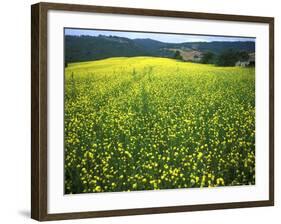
39, 149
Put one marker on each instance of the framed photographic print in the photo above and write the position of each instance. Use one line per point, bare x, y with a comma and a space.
139, 111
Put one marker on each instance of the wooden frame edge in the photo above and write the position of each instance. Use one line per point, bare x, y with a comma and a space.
154, 12
271, 111
157, 210
39, 110
34, 113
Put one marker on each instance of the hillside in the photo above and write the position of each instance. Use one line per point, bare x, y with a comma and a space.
87, 48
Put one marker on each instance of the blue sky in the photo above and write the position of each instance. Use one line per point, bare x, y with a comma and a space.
170, 38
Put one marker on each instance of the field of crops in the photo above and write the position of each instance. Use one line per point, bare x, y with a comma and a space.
144, 123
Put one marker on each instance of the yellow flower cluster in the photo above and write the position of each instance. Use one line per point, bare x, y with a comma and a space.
147, 123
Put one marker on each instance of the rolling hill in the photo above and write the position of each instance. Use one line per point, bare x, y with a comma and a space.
87, 48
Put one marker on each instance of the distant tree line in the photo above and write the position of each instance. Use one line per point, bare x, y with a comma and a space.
225, 58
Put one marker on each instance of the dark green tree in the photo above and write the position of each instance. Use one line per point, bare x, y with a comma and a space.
227, 58
243, 56
208, 58
178, 55
230, 57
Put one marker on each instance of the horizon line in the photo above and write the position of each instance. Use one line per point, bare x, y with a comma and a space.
85, 35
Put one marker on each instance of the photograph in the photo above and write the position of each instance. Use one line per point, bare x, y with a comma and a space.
157, 111
139, 111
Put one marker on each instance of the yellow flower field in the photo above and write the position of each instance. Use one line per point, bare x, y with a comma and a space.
144, 123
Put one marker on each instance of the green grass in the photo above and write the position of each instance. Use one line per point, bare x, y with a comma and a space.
144, 123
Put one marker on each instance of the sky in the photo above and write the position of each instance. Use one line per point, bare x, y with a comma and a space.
169, 38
